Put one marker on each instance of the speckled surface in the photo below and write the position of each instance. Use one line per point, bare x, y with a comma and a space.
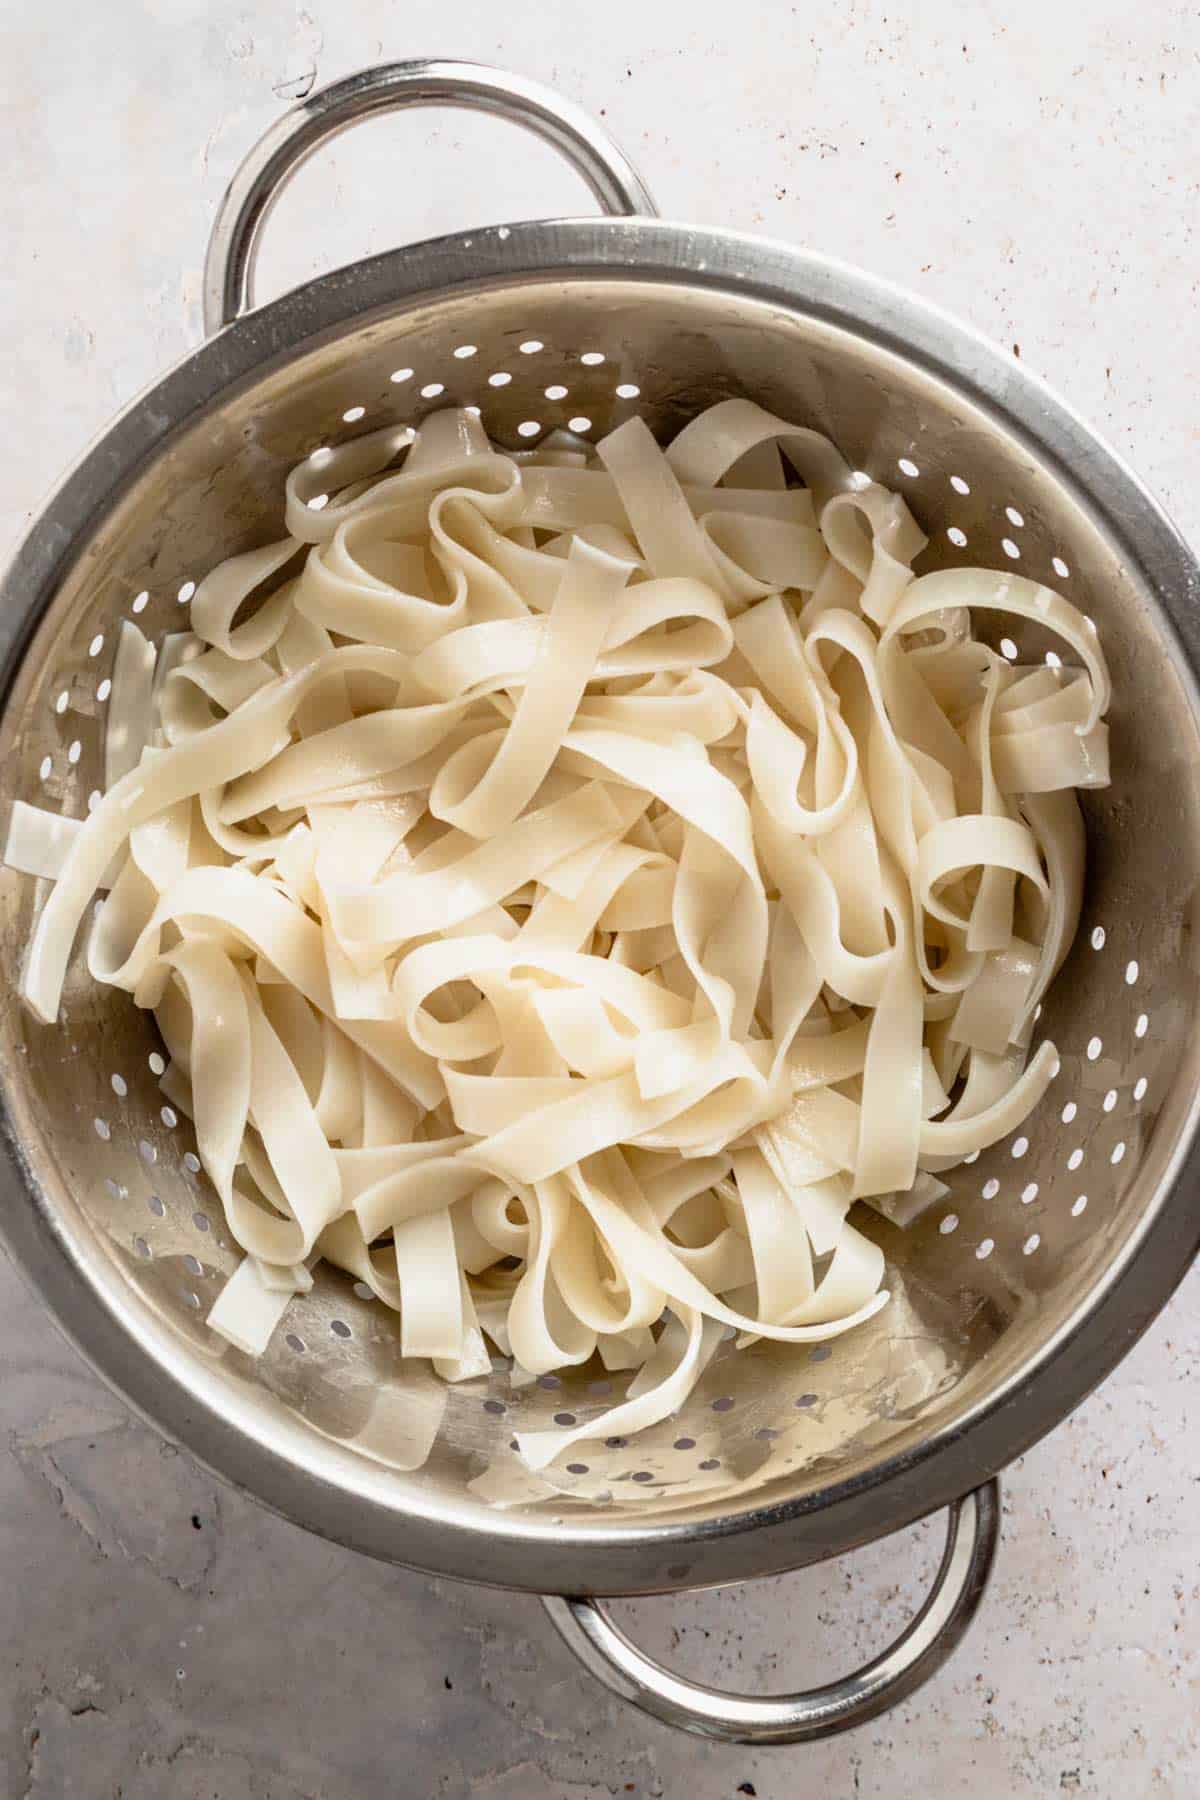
1028, 166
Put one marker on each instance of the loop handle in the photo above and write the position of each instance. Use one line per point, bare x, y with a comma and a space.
391, 87
972, 1530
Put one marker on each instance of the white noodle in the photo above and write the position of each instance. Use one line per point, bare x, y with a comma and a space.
38, 841
631, 889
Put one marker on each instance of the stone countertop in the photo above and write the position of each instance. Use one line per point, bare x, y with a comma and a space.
1028, 166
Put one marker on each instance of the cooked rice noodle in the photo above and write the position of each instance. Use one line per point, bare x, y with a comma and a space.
632, 887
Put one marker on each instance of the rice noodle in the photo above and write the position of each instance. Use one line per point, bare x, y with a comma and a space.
633, 886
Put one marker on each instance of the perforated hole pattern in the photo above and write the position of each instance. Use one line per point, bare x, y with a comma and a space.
1022, 1229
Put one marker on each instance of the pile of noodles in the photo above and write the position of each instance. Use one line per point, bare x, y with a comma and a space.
567, 880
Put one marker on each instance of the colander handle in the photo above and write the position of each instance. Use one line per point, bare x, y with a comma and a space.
266, 171
972, 1531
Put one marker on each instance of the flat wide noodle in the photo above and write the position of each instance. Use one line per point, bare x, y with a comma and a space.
567, 881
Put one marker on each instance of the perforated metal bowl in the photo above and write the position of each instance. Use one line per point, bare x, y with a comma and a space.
1012, 1298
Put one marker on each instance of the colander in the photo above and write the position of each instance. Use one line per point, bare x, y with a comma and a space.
1011, 1298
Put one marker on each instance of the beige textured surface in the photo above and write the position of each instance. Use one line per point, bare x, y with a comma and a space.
1028, 166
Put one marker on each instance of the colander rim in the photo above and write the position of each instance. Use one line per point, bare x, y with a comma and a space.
116, 1331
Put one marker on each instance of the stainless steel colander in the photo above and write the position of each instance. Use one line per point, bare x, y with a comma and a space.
1012, 1298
